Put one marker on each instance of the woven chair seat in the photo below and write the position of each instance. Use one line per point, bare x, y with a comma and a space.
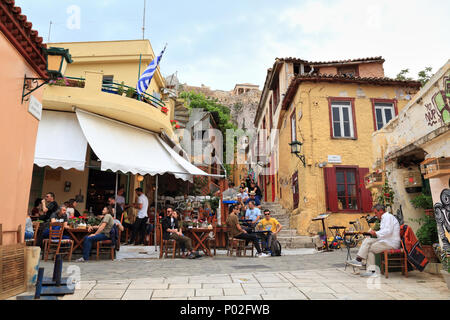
395, 251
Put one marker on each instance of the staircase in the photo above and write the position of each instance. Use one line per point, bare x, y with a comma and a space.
288, 237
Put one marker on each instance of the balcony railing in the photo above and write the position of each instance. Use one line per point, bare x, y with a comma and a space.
113, 88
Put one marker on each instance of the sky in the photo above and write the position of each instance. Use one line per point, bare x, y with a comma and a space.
222, 43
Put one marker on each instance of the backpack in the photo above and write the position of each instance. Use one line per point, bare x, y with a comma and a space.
276, 248
114, 236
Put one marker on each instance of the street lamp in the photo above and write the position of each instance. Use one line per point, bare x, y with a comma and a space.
296, 147
57, 60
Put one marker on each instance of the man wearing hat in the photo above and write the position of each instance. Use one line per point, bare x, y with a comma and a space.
254, 199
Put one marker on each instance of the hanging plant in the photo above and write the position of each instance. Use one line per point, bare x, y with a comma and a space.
164, 110
386, 195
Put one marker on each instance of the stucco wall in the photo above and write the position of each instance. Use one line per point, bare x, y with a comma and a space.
313, 128
371, 70
17, 140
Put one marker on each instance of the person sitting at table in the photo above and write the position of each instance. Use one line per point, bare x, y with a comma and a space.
236, 231
60, 215
72, 210
36, 212
269, 224
243, 186
102, 233
255, 188
387, 238
49, 206
29, 230
254, 199
253, 213
171, 231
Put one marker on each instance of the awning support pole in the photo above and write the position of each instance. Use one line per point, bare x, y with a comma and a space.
156, 211
115, 196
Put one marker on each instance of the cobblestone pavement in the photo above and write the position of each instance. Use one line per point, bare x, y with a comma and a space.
302, 277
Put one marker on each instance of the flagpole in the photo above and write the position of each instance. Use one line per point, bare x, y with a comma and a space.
139, 73
143, 23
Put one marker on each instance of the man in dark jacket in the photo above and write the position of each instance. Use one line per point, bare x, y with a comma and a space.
171, 231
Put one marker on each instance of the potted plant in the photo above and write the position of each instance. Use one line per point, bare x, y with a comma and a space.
427, 235
425, 202
130, 92
121, 89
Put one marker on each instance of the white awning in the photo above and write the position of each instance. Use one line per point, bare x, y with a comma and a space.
126, 148
60, 142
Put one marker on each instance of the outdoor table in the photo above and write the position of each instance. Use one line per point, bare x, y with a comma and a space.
77, 235
200, 236
322, 218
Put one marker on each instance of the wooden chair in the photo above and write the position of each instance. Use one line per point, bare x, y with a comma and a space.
213, 241
33, 242
56, 243
398, 256
165, 245
239, 246
108, 245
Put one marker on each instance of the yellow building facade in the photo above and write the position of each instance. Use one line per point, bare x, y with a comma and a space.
311, 109
91, 84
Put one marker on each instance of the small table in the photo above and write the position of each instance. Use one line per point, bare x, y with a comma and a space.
350, 234
322, 218
77, 236
201, 235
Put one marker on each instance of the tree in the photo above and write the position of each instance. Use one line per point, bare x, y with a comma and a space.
423, 76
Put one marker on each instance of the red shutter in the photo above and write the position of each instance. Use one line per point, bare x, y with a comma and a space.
331, 189
366, 195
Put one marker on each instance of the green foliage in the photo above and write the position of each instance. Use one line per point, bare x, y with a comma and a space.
121, 88
386, 196
199, 101
423, 202
425, 75
130, 92
94, 221
443, 256
402, 75
427, 233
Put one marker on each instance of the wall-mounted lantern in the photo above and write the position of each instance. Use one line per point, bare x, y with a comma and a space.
296, 148
57, 60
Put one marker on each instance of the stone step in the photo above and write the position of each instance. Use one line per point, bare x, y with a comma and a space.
288, 233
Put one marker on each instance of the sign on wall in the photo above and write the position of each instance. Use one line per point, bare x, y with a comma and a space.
335, 159
35, 108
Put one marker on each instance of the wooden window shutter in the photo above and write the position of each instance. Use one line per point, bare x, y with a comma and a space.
331, 189
366, 195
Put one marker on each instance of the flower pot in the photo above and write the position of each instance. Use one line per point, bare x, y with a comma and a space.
446, 276
429, 253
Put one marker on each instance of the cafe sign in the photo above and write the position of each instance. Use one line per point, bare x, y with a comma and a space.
35, 108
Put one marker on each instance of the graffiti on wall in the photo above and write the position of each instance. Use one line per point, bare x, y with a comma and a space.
439, 108
442, 214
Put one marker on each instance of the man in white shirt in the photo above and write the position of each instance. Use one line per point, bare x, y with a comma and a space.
140, 224
387, 238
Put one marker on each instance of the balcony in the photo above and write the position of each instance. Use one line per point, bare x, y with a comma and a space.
435, 167
112, 100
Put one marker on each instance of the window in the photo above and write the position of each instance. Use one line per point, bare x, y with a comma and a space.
342, 119
293, 127
351, 71
346, 189
108, 79
383, 113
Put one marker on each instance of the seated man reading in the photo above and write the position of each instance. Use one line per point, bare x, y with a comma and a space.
172, 231
269, 224
387, 238
237, 232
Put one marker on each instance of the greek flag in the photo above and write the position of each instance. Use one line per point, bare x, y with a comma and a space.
147, 76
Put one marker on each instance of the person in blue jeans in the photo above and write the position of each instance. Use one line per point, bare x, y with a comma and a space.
102, 233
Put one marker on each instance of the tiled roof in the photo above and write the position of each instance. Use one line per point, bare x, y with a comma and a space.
17, 30
362, 60
292, 89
